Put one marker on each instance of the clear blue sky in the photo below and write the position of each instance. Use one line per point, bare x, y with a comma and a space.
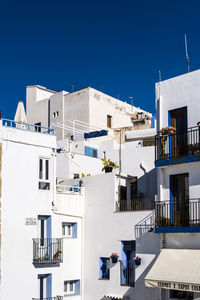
120, 44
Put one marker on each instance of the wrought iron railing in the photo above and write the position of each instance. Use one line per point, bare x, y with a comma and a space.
177, 213
145, 225
28, 127
127, 272
135, 204
47, 250
49, 298
178, 144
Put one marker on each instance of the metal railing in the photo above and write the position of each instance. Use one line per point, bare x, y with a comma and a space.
127, 273
49, 298
145, 225
178, 144
135, 204
176, 213
68, 189
28, 127
47, 250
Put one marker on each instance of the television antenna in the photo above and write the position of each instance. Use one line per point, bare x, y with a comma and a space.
186, 53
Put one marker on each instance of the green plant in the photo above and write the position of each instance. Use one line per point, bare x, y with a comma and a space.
109, 163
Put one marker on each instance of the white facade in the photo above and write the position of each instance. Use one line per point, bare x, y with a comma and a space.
56, 192
178, 185
87, 105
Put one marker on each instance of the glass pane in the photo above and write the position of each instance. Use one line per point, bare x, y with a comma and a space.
69, 229
65, 286
71, 286
40, 169
47, 170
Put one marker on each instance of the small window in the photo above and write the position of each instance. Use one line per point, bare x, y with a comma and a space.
69, 230
38, 127
109, 121
76, 175
104, 271
69, 287
174, 294
72, 287
44, 178
55, 114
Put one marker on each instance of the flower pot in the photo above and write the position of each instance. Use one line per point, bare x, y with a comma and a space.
137, 262
114, 259
108, 169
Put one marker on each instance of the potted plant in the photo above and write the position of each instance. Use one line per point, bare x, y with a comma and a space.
137, 260
114, 258
168, 130
108, 165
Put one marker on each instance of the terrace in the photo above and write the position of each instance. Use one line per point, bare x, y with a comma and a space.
28, 127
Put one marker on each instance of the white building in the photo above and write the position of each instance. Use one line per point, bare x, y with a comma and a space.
176, 271
68, 224
89, 106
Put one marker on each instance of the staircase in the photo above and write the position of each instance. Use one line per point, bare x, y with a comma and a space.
145, 225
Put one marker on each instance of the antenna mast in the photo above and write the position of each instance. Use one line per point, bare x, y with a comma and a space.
186, 53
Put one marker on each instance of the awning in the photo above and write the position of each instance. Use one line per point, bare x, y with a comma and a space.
114, 296
176, 269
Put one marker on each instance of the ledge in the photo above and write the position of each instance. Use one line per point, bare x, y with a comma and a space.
177, 229
175, 161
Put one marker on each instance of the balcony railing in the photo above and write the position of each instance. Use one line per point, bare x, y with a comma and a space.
177, 214
68, 189
135, 204
49, 298
47, 250
178, 144
127, 273
28, 127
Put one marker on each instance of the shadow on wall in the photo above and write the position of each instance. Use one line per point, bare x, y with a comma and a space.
147, 184
140, 292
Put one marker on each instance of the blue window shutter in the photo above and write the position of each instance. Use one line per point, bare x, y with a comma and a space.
49, 286
49, 227
77, 287
74, 230
90, 151
104, 271
100, 267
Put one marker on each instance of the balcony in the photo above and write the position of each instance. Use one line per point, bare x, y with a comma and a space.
127, 273
28, 127
135, 205
178, 147
173, 216
47, 251
49, 298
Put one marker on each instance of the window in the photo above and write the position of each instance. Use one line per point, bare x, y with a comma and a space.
55, 114
181, 295
44, 178
104, 271
38, 127
69, 230
89, 151
72, 287
109, 121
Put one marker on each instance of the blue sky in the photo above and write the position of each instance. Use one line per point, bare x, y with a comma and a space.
119, 44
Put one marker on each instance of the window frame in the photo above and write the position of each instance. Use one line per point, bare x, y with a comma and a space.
68, 292
44, 173
70, 225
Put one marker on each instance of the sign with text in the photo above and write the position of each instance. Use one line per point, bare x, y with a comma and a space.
30, 221
188, 287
